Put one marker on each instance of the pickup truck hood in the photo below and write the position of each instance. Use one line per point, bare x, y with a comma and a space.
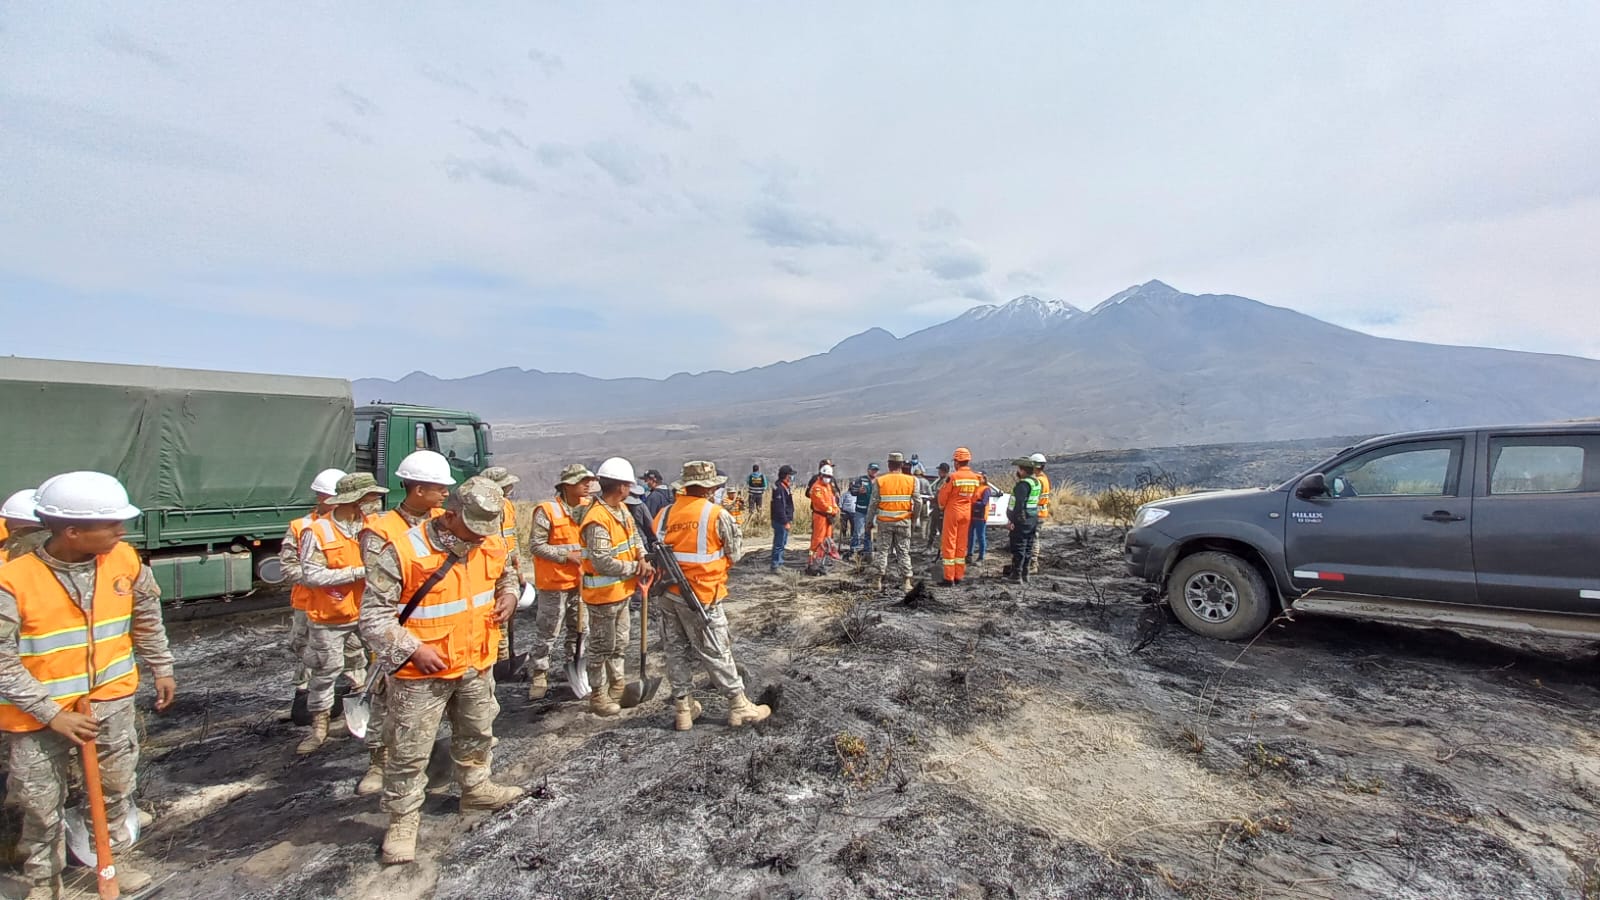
1171, 502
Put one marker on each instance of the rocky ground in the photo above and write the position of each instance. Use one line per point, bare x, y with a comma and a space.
1058, 740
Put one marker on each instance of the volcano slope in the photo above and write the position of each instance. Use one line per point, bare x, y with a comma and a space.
984, 740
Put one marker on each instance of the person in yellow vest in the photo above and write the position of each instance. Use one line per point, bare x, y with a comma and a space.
613, 563
1044, 509
893, 513
21, 525
442, 659
425, 476
325, 485
557, 552
507, 483
74, 613
706, 541
331, 570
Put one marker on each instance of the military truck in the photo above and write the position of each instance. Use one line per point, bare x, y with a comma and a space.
219, 461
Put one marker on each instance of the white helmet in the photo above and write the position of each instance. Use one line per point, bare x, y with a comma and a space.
85, 496
617, 469
427, 467
1039, 458
19, 506
327, 481
826, 470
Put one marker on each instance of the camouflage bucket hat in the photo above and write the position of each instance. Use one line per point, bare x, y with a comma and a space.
500, 475
1022, 462
577, 473
479, 502
351, 488
897, 457
699, 473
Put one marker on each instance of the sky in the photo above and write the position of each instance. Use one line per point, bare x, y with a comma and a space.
364, 189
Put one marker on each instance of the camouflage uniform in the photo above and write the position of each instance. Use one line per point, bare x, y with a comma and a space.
372, 546
299, 625
327, 647
505, 481
40, 761
608, 624
554, 608
894, 538
415, 706
684, 632
23, 541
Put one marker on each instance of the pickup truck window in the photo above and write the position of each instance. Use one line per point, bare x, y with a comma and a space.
1539, 464
1421, 469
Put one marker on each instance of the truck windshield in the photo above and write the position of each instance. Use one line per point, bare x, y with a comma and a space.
460, 446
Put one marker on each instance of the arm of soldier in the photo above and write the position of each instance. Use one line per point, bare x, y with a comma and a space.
289, 557
149, 635
732, 537
18, 687
381, 604
506, 589
597, 541
314, 569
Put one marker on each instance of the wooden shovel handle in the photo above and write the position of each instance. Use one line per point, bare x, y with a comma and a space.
105, 867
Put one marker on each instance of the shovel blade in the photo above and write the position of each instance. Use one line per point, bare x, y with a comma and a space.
357, 714
511, 668
637, 692
578, 669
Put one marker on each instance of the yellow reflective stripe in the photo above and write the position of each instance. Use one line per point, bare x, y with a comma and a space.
70, 638
894, 498
600, 581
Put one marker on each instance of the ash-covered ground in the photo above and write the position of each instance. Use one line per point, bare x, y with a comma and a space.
986, 740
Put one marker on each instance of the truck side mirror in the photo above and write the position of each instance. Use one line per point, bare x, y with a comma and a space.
1313, 485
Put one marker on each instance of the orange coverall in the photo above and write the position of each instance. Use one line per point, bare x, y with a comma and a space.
824, 506
955, 498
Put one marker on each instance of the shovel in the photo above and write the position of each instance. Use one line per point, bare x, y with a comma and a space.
577, 666
358, 707
105, 869
643, 687
512, 667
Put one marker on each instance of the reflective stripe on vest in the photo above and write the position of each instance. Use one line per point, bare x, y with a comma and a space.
456, 618
896, 492
338, 604
598, 589
56, 638
555, 576
1034, 491
701, 555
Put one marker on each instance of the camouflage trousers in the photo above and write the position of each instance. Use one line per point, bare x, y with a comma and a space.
299, 628
893, 546
1038, 541
329, 651
684, 633
416, 706
552, 610
41, 763
609, 627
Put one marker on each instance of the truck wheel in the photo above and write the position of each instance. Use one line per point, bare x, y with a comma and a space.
1219, 595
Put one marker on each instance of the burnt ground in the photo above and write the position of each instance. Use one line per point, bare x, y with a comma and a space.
983, 741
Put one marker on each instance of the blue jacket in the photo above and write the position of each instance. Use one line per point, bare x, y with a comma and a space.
782, 505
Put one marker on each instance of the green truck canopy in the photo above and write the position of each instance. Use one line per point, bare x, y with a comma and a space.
180, 439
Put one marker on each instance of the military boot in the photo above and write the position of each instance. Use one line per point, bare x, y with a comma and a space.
685, 711
400, 841
372, 782
49, 889
908, 584
601, 704
538, 685
318, 735
742, 712
617, 678
488, 795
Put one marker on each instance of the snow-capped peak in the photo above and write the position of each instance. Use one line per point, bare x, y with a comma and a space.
1147, 290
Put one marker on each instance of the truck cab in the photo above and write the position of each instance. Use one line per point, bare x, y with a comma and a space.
386, 432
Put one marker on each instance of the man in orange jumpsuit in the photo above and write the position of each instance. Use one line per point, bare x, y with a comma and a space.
955, 498
824, 507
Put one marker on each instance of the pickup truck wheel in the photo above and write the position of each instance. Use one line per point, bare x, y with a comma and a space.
1219, 595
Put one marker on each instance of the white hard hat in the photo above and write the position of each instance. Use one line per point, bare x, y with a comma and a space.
617, 469
826, 470
85, 496
20, 506
1039, 458
427, 467
327, 481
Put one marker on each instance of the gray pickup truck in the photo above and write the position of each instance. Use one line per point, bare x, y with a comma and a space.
1493, 528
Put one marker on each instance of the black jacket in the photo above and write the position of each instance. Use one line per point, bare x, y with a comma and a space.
782, 505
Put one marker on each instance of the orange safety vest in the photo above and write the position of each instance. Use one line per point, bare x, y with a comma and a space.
391, 526
564, 536
340, 604
963, 485
601, 590
896, 493
456, 618
54, 638
4, 531
1044, 494
691, 533
299, 594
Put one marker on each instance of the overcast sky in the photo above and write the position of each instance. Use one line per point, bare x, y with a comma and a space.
364, 189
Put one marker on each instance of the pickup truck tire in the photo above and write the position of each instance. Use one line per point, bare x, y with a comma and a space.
1219, 595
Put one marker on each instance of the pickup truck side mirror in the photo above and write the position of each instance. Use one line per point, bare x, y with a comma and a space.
1313, 485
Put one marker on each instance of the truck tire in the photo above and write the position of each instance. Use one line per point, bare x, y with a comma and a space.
1219, 595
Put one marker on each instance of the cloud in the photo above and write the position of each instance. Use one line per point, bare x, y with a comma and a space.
626, 164
953, 262
972, 290
790, 267
446, 79
349, 132
663, 103
118, 41
783, 226
358, 104
1024, 279
554, 154
491, 170
512, 105
499, 138
939, 219
548, 63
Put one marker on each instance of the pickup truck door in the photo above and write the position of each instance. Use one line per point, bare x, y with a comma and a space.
1396, 522
1536, 520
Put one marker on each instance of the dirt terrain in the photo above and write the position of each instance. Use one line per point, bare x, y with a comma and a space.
983, 741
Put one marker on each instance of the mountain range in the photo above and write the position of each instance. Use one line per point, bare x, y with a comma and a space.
1149, 366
